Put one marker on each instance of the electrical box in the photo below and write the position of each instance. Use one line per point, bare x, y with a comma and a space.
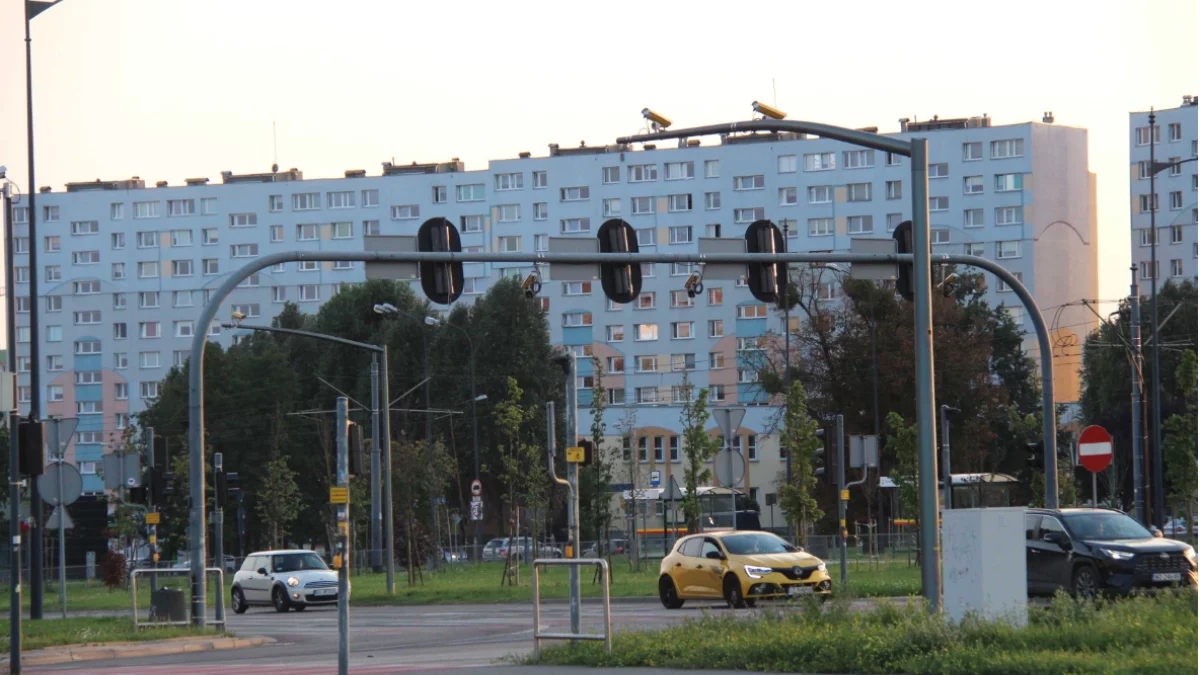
983, 564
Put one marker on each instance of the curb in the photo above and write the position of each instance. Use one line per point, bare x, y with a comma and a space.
124, 650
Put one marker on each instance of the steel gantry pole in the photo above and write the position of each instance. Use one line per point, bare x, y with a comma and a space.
376, 512
1138, 445
1155, 473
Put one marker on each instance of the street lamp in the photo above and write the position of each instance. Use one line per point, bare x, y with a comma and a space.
432, 321
1156, 399
388, 309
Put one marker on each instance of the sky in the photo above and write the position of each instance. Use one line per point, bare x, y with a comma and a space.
167, 90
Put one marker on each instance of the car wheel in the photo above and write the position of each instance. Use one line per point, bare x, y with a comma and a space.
733, 592
299, 608
1085, 583
238, 599
667, 593
751, 603
280, 600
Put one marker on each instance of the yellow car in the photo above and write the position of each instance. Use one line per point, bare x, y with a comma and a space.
739, 566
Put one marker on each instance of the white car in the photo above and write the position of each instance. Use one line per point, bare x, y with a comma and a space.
284, 580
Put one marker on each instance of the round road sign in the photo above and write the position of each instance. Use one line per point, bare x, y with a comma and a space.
729, 466
476, 488
1095, 449
72, 483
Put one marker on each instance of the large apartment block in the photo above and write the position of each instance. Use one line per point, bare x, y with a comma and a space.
1174, 197
125, 268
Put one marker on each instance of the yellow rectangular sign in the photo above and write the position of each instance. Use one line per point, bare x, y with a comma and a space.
845, 495
575, 454
339, 495
153, 539
152, 518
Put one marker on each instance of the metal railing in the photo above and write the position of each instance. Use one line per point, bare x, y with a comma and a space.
219, 620
538, 635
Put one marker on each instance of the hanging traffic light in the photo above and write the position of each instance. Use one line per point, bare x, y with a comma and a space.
1037, 458
768, 281
904, 274
819, 457
32, 440
441, 282
589, 452
621, 283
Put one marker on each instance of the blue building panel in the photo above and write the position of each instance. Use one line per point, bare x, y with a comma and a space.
577, 335
750, 327
88, 452
93, 483
751, 393
89, 392
585, 398
88, 362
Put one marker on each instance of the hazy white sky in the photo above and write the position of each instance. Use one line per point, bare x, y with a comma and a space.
166, 89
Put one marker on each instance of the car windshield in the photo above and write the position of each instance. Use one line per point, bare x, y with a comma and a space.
746, 544
297, 562
1105, 525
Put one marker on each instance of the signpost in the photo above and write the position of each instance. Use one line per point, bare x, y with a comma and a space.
61, 485
729, 465
1095, 453
655, 478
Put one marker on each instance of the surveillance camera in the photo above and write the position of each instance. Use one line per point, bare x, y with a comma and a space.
238, 316
654, 117
694, 284
768, 111
532, 285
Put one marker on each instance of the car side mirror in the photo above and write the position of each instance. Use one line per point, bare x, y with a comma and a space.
715, 555
262, 571
1157, 533
1059, 538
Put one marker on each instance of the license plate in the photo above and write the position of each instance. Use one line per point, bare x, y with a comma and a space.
1167, 576
793, 591
325, 591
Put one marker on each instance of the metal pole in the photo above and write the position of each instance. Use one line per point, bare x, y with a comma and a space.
433, 487
475, 444
947, 490
1135, 337
14, 449
1095, 494
926, 424
385, 432
376, 514
35, 385
62, 517
1155, 394
218, 517
875, 392
841, 487
787, 346
572, 414
343, 539
148, 440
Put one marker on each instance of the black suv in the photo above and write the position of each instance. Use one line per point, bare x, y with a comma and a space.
1091, 551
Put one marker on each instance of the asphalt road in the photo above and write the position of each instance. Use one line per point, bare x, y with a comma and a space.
414, 639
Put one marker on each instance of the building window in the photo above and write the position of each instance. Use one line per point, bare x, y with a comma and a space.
643, 173
611, 208
406, 212
308, 266
940, 170
712, 200
509, 244
576, 319
148, 300
610, 175
85, 227
678, 203
681, 234
306, 201
81, 347
748, 215
645, 300
974, 248
181, 238
1147, 203
642, 205
1014, 147
647, 364
275, 203
747, 375
148, 269
1009, 182
88, 377
1177, 267
860, 225
1146, 269
680, 170
820, 227
752, 311
858, 192
939, 236
1008, 249
1010, 215
820, 194
716, 328
539, 180
148, 360
1174, 132
149, 390
85, 257
939, 203
310, 293
508, 213
120, 361
116, 211
973, 185
1176, 234
787, 196
370, 198
20, 245
91, 407
181, 207
972, 151
682, 299
54, 363
1176, 200
144, 210
973, 218
895, 189
820, 161
616, 333
858, 159
787, 164
748, 183
1002, 287
344, 199
370, 227
510, 181
149, 330
716, 360
243, 219
210, 267
209, 236
575, 225
183, 268
647, 332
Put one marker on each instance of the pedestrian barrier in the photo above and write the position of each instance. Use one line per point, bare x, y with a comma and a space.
155, 621
538, 635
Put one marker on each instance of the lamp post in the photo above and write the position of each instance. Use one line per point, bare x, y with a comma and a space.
1156, 459
388, 309
431, 321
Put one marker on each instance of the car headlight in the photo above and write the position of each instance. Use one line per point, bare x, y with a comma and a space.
757, 572
820, 567
293, 581
1190, 554
1115, 555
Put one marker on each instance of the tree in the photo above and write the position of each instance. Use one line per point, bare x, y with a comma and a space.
633, 467
902, 446
1179, 441
279, 499
797, 499
596, 479
509, 418
698, 447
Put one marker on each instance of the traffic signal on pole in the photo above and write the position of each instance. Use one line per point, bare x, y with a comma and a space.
819, 456
621, 283
219, 489
1037, 457
168, 482
232, 486
589, 452
768, 281
137, 495
356, 450
442, 282
32, 440
904, 273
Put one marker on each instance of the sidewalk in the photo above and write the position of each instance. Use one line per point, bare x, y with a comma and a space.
124, 650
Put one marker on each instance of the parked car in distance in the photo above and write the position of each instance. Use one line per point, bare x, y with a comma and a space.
615, 547
1090, 551
284, 580
1177, 527
497, 549
741, 566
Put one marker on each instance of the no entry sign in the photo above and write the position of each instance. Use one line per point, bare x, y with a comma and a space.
1095, 449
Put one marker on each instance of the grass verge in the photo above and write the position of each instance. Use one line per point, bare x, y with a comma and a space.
1148, 635
80, 630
